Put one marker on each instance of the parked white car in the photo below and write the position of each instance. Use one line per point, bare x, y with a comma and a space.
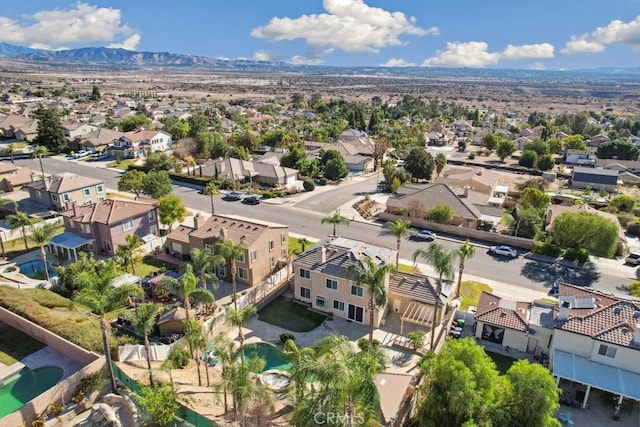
503, 250
81, 153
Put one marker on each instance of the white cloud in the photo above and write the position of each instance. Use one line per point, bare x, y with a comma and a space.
541, 50
82, 25
538, 66
349, 25
305, 60
397, 62
469, 54
129, 44
615, 32
261, 56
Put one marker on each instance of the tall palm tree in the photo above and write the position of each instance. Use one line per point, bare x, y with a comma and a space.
231, 252
187, 289
336, 220
344, 382
245, 388
304, 242
204, 262
38, 152
303, 360
20, 220
98, 293
11, 150
464, 252
143, 321
440, 162
130, 253
374, 277
196, 341
211, 190
239, 319
41, 237
226, 353
400, 229
442, 260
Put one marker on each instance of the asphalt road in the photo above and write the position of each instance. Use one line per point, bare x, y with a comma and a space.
304, 216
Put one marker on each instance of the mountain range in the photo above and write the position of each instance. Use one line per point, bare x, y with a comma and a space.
122, 58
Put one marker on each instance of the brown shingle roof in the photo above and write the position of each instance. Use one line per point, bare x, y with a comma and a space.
111, 211
236, 228
500, 312
414, 286
67, 181
426, 198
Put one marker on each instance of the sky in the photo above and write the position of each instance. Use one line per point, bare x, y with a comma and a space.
541, 34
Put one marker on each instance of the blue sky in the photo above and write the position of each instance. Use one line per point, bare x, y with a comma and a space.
545, 34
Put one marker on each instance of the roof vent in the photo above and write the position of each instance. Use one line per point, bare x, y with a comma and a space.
636, 314
617, 309
503, 314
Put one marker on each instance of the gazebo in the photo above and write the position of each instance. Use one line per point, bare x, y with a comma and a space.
69, 243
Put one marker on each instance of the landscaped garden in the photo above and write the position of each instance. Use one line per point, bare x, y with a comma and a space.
16, 345
290, 315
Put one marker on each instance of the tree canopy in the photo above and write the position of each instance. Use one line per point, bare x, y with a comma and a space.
158, 162
622, 150
50, 132
156, 184
586, 230
505, 149
133, 181
419, 164
134, 122
171, 209
441, 214
532, 197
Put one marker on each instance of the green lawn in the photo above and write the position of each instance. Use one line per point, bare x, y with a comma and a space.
122, 164
404, 268
16, 345
295, 248
150, 264
470, 293
503, 363
290, 315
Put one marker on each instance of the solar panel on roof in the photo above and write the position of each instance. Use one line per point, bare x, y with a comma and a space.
584, 303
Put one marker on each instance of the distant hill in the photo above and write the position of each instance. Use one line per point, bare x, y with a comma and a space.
122, 58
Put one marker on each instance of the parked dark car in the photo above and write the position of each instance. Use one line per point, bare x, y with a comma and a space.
251, 200
234, 195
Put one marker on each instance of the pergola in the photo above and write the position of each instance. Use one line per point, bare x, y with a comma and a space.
418, 313
69, 242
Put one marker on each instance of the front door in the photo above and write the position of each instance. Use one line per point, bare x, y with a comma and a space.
396, 305
532, 343
355, 313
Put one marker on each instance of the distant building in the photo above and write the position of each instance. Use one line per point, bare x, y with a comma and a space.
596, 179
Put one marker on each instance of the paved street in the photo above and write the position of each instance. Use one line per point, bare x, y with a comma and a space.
304, 213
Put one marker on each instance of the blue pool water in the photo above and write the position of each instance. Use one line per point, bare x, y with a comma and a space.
26, 386
35, 270
275, 358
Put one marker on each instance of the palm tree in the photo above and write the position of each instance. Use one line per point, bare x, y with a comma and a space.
241, 380
41, 237
344, 382
204, 262
39, 152
440, 162
303, 242
11, 150
400, 229
187, 289
442, 260
144, 322
336, 220
374, 276
464, 252
20, 220
196, 341
239, 319
226, 353
231, 252
303, 360
129, 253
101, 297
211, 190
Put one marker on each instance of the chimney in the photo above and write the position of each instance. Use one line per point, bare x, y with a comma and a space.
565, 307
466, 191
224, 233
322, 255
480, 172
635, 341
198, 221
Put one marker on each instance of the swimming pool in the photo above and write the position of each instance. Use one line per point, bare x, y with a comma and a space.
275, 358
35, 270
27, 385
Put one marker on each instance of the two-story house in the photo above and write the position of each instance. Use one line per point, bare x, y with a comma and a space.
75, 130
12, 176
596, 342
58, 191
135, 144
101, 227
321, 278
266, 244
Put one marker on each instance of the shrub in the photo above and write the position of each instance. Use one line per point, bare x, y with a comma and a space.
528, 159
417, 338
625, 218
269, 195
633, 228
548, 249
309, 185
363, 344
472, 155
178, 357
323, 181
286, 336
400, 212
581, 255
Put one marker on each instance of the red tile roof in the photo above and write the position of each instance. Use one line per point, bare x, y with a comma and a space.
500, 312
111, 211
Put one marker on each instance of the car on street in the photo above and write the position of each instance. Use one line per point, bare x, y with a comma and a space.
81, 153
235, 195
633, 258
425, 235
251, 200
503, 250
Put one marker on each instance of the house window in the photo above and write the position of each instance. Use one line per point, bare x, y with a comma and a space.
153, 230
101, 199
357, 290
332, 284
254, 255
86, 192
283, 238
608, 351
305, 293
321, 302
208, 247
68, 222
106, 245
240, 258
127, 225
283, 254
39, 194
271, 245
65, 197
99, 188
272, 261
243, 273
338, 305
86, 228
152, 216
222, 270
54, 197
305, 274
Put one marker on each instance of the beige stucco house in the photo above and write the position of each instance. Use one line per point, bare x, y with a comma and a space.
61, 190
